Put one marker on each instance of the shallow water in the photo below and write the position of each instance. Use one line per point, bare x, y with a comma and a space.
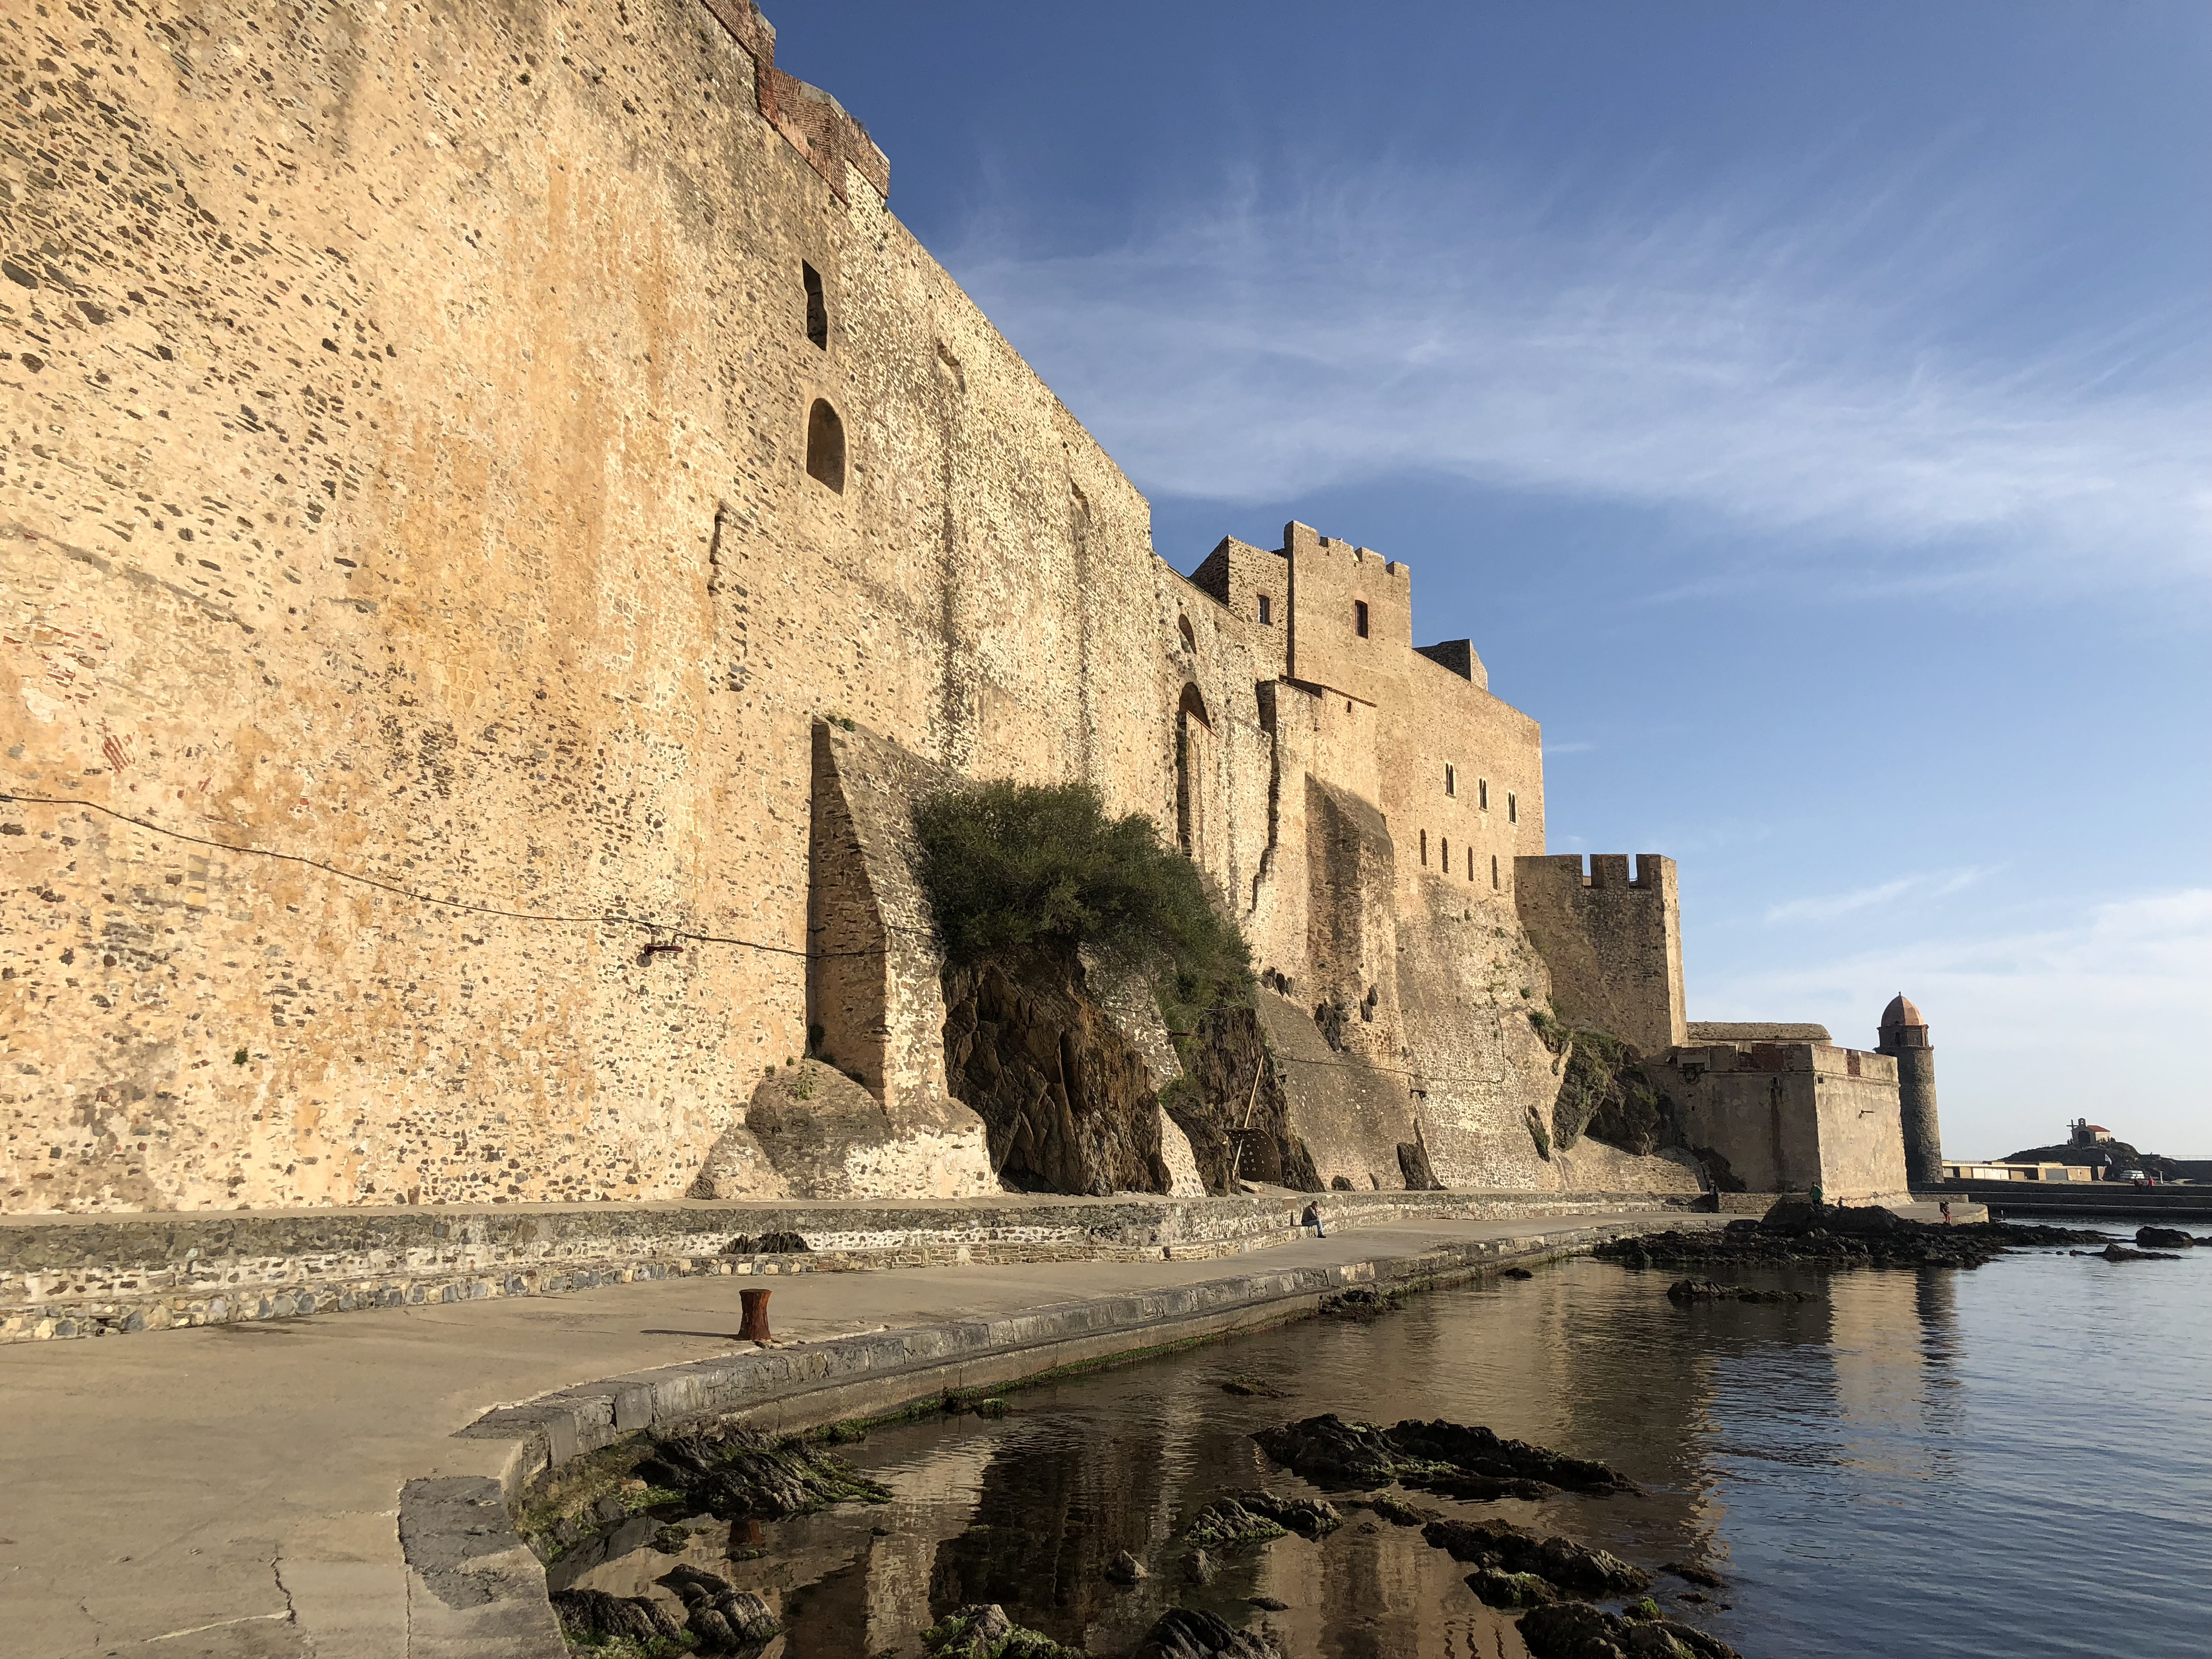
2016, 1460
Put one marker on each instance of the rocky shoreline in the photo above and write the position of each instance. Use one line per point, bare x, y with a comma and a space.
1551, 1584
1798, 1233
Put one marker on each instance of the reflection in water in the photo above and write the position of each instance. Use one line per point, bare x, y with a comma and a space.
1872, 1472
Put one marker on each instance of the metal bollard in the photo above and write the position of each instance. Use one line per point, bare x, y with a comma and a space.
754, 1328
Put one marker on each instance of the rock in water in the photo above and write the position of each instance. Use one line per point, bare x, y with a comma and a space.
739, 1474
1514, 1549
595, 1616
1200, 1568
714, 1607
1357, 1305
1704, 1290
1328, 1448
1184, 1633
1573, 1630
983, 1630
2121, 1253
1477, 1451
2163, 1238
1226, 1524
1689, 1573
1455, 1458
1126, 1568
1309, 1517
1511, 1589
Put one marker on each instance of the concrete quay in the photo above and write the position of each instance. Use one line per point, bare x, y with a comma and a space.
338, 1487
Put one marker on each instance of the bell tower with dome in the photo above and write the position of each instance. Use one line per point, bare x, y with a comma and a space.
1904, 1035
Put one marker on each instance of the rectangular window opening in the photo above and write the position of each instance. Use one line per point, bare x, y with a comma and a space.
1424, 849
1266, 611
1512, 808
1482, 793
1470, 864
1359, 617
818, 309
1451, 779
1494, 870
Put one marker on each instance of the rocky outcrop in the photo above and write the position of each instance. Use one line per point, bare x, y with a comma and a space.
1796, 1231
1572, 1630
1186, 1633
1703, 1290
1232, 1106
2121, 1253
723, 1619
595, 1618
984, 1631
2163, 1238
737, 1472
1066, 1100
1558, 1561
1454, 1459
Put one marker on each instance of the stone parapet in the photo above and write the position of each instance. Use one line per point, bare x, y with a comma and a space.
70, 1277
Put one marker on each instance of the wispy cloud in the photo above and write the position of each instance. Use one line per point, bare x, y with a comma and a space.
1788, 369
1829, 906
2097, 1013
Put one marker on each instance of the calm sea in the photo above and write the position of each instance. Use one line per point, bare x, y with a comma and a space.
2013, 1461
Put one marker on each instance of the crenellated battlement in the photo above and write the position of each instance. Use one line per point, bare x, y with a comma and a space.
1612, 937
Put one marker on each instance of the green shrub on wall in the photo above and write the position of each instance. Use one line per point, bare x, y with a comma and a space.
1012, 868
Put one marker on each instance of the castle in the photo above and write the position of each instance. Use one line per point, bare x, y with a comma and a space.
500, 524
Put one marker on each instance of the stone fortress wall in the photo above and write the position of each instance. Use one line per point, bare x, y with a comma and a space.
497, 519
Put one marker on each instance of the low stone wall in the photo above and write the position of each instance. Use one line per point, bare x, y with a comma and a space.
2084, 1198
72, 1276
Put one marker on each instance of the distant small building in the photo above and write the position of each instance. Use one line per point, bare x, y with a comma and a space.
2086, 1133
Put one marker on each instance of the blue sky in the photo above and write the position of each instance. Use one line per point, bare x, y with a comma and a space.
1805, 408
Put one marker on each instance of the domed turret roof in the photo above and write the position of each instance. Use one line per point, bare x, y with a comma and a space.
1900, 1011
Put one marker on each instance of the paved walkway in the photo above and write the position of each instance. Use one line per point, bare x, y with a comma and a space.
233, 1491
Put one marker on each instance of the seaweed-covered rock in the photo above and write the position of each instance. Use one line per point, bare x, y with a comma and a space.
1573, 1630
1227, 1524
1186, 1633
592, 1615
725, 1619
1515, 1549
740, 1473
1497, 1589
2163, 1238
1395, 1510
983, 1630
1309, 1517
